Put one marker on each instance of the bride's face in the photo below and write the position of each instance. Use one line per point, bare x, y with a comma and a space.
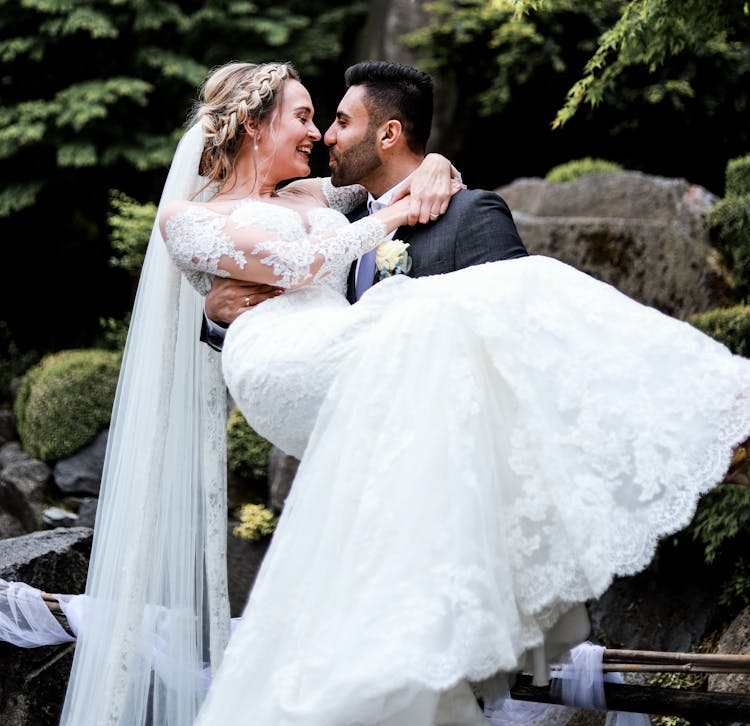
291, 133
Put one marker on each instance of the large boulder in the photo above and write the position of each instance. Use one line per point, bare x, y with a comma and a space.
33, 680
644, 234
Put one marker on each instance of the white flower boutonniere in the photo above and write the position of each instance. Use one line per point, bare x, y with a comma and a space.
391, 258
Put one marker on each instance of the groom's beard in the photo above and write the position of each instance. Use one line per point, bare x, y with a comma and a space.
356, 163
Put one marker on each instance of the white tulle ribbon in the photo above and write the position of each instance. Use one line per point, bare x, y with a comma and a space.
579, 684
25, 619
26, 622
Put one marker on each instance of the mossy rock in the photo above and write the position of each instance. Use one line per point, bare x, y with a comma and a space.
738, 177
247, 452
65, 401
730, 326
580, 167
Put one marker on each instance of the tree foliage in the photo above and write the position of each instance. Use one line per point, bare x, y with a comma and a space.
647, 33
94, 96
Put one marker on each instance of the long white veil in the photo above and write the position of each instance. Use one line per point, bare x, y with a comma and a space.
157, 578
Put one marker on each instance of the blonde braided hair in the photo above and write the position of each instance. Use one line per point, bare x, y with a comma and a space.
232, 95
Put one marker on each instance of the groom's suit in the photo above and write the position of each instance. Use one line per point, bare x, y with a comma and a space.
477, 228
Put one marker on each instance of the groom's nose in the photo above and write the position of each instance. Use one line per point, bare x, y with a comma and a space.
329, 138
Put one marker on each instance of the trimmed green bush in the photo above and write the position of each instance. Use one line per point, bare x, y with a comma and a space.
580, 167
247, 452
729, 222
738, 177
65, 401
730, 326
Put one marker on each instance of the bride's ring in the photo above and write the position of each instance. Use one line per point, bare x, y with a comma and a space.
247, 301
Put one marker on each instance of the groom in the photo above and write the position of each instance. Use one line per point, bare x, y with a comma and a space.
378, 138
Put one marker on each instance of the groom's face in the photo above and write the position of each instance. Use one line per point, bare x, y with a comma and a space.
351, 138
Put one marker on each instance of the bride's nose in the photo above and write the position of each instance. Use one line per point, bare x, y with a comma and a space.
314, 133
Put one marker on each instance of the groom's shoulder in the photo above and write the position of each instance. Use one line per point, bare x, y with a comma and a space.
477, 201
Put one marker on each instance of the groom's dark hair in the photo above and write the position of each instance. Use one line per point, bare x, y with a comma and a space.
396, 91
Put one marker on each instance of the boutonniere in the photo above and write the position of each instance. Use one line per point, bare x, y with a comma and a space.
391, 258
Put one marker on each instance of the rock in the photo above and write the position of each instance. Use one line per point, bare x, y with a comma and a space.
53, 560
33, 680
735, 640
10, 453
648, 611
59, 517
33, 683
24, 491
7, 426
644, 234
282, 469
87, 512
10, 526
82, 472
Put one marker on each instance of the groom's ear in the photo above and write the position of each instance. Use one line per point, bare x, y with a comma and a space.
389, 133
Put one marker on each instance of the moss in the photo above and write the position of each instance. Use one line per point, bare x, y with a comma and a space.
738, 177
730, 326
580, 167
247, 452
65, 401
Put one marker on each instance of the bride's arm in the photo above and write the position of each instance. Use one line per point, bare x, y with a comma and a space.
200, 239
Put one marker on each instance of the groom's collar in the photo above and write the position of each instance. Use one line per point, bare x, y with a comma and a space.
383, 200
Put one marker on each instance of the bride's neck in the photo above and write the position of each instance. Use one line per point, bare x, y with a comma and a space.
249, 179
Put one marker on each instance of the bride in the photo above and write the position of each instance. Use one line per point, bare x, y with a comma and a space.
481, 452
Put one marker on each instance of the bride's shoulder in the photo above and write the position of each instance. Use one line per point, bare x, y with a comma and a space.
306, 189
184, 209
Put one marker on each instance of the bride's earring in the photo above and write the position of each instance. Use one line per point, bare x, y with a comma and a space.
255, 143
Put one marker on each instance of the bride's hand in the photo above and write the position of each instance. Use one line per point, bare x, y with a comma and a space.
429, 189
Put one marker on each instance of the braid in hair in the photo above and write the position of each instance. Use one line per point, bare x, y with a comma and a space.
233, 94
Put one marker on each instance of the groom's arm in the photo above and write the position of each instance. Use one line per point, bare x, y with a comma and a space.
228, 299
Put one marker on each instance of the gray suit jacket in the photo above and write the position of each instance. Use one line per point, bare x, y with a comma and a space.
478, 227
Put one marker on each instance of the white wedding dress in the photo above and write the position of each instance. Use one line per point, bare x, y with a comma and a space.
481, 451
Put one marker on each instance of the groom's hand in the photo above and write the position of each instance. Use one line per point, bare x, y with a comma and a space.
230, 298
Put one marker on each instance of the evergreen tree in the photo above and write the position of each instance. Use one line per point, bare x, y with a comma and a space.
93, 97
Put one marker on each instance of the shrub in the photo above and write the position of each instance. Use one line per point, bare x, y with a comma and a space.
65, 401
738, 177
730, 326
130, 224
729, 222
580, 167
247, 452
256, 522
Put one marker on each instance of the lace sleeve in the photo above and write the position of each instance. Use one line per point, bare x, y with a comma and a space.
344, 199
200, 240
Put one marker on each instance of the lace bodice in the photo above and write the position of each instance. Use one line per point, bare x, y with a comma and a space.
271, 242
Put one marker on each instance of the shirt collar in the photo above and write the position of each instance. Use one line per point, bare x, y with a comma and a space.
383, 200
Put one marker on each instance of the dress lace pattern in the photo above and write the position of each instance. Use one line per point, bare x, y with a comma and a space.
480, 451
198, 237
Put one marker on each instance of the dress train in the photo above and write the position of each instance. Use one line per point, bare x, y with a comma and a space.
500, 443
